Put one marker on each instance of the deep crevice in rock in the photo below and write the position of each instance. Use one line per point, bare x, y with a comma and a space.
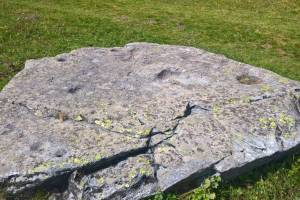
189, 110
296, 101
278, 134
259, 98
122, 193
60, 179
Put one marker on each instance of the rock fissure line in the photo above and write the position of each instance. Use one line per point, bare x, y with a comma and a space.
296, 101
53, 116
187, 112
278, 134
85, 169
189, 109
153, 132
255, 146
260, 98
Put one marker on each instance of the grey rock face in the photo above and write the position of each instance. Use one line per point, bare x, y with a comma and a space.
125, 123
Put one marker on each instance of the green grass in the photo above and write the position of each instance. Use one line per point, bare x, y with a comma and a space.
264, 33
279, 180
276, 181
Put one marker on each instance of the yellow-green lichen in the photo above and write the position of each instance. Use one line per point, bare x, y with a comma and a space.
266, 88
127, 130
105, 123
283, 80
216, 110
163, 149
245, 99
145, 132
122, 186
38, 113
143, 160
231, 101
283, 120
275, 109
227, 71
288, 135
98, 156
100, 181
78, 160
78, 118
147, 115
267, 123
51, 164
132, 114
286, 120
122, 129
103, 107
61, 164
132, 174
42, 167
238, 136
119, 129
98, 122
127, 139
81, 183
145, 171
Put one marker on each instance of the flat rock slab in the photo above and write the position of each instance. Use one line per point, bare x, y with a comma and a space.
125, 123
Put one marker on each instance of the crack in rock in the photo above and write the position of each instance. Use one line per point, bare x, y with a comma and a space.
259, 98
297, 103
278, 135
14, 182
190, 108
63, 116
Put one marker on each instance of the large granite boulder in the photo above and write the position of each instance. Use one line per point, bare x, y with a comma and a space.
125, 123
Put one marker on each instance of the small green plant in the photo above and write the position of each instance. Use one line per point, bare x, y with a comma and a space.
161, 196
41, 195
2, 195
206, 190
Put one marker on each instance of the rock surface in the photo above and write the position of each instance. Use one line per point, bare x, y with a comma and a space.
125, 123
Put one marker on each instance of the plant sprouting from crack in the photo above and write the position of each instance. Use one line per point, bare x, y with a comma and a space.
206, 190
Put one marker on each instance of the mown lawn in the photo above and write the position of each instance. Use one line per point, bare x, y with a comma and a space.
264, 33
